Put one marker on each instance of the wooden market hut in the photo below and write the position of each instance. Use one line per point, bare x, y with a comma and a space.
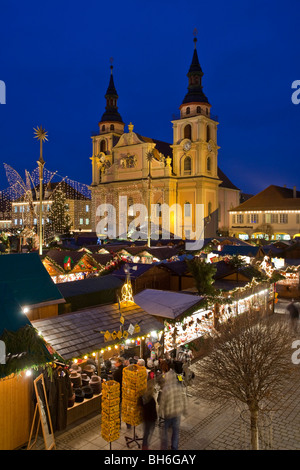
89, 292
24, 349
144, 276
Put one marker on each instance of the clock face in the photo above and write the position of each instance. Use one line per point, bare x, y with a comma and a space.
187, 145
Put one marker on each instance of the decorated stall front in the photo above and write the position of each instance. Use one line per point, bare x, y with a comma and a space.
90, 339
189, 317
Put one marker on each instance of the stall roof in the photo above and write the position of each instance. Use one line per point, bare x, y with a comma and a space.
75, 334
87, 286
166, 304
238, 250
28, 279
135, 269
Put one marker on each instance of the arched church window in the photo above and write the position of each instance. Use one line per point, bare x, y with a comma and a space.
188, 132
199, 109
207, 134
103, 146
188, 110
187, 166
112, 127
208, 164
103, 128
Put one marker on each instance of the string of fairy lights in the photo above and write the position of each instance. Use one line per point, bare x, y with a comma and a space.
24, 189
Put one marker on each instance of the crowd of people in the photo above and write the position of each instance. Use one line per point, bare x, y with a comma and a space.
165, 399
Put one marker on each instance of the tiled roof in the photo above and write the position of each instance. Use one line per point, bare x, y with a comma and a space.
226, 183
75, 334
272, 198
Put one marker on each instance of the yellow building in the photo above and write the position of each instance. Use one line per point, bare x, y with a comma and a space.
184, 173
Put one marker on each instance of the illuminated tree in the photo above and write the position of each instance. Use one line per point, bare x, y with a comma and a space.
59, 220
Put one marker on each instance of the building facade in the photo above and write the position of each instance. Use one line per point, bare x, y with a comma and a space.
273, 214
150, 172
25, 212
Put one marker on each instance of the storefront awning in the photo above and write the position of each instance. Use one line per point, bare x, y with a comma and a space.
166, 304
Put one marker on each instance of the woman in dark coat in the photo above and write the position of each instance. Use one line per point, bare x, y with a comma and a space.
148, 404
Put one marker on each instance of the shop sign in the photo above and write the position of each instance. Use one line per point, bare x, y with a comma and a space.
131, 329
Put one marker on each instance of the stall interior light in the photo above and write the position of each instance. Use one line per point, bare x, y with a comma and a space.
28, 373
25, 309
153, 334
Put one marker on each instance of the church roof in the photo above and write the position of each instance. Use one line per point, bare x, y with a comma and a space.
272, 198
226, 183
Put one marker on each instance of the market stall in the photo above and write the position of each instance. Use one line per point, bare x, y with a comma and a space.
187, 317
96, 335
25, 352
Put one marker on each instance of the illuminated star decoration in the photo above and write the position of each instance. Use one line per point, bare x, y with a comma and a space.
40, 133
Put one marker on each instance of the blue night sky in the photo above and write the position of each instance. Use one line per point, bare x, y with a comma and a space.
55, 59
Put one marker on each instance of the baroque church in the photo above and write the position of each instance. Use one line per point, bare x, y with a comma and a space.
151, 172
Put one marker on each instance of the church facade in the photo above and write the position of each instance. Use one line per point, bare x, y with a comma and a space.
130, 169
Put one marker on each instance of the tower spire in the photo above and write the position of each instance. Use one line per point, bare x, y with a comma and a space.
111, 113
195, 93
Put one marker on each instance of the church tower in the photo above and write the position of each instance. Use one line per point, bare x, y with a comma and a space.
111, 127
195, 150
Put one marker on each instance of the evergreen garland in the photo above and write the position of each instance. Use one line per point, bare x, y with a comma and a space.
25, 349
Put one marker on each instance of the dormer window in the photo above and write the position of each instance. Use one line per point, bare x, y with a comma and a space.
188, 110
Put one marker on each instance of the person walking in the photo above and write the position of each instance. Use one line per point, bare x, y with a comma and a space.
293, 311
148, 404
172, 405
118, 377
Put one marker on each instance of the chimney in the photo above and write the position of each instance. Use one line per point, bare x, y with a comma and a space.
294, 191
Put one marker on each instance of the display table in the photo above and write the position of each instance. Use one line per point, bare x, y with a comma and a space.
80, 410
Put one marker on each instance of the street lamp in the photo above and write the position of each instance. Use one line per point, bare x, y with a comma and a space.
41, 135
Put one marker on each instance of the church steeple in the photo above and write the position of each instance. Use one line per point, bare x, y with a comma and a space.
195, 92
111, 115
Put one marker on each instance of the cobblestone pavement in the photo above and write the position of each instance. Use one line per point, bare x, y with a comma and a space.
205, 427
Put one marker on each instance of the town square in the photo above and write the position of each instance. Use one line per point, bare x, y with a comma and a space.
149, 229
